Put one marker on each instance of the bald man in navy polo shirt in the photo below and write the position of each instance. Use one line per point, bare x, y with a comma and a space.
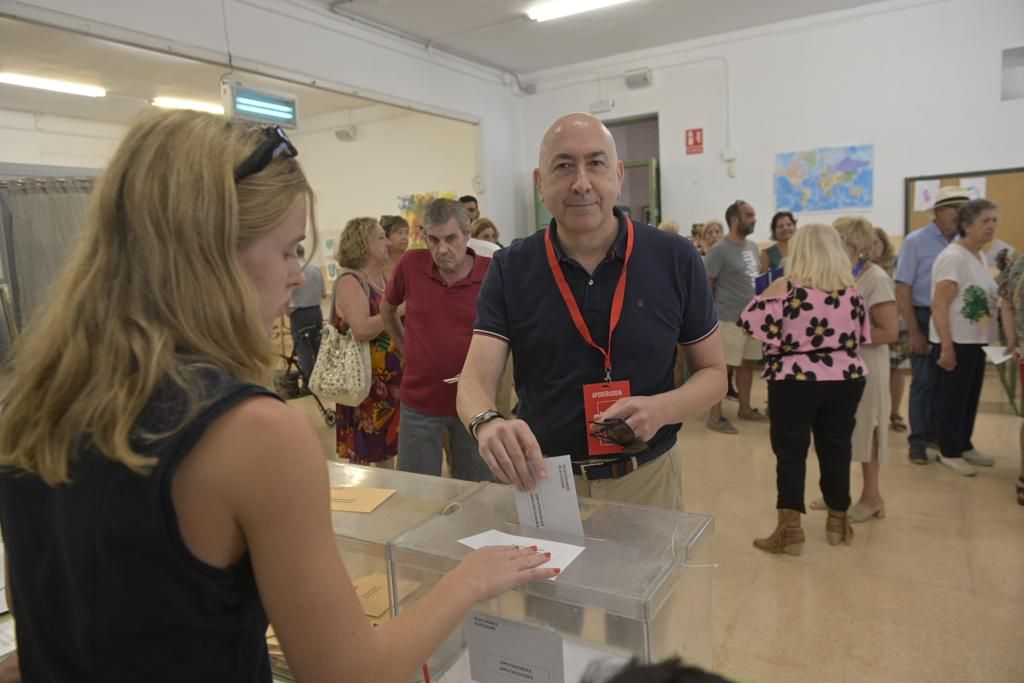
553, 299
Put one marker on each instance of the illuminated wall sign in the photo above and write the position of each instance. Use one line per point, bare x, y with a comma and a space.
260, 106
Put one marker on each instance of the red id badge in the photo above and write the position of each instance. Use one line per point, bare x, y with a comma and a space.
598, 398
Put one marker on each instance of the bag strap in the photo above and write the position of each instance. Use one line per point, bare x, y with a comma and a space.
336, 319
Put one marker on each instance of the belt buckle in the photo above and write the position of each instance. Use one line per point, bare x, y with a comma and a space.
584, 466
608, 463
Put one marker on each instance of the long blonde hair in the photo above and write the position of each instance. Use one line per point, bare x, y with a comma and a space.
817, 258
154, 290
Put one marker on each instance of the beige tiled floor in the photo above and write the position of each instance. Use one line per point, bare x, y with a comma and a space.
934, 592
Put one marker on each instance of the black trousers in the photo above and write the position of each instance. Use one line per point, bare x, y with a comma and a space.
956, 396
306, 349
828, 410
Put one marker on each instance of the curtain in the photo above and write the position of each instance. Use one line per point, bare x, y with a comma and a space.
47, 215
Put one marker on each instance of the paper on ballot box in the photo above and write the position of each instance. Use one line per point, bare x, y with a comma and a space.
562, 554
504, 651
552, 504
358, 498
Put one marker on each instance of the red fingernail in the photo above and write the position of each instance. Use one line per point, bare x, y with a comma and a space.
547, 554
533, 547
558, 571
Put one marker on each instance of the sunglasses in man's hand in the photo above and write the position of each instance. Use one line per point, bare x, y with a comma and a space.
616, 431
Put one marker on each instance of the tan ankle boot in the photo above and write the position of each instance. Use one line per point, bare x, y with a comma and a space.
838, 529
788, 537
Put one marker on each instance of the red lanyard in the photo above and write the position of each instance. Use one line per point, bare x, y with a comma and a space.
574, 309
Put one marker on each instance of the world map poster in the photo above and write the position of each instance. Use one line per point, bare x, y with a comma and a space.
825, 179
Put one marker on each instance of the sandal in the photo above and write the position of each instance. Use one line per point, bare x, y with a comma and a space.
897, 424
1020, 491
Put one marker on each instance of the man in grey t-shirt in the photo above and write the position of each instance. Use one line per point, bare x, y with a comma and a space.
732, 265
304, 313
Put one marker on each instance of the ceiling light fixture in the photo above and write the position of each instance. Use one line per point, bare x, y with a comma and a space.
194, 105
556, 9
51, 84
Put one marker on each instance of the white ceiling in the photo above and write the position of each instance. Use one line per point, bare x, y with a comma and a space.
498, 33
132, 76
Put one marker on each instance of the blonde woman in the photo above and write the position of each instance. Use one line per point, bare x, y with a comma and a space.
669, 226
870, 442
485, 229
158, 503
812, 323
367, 434
711, 234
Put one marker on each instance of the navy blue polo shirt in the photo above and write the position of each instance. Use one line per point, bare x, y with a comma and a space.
668, 301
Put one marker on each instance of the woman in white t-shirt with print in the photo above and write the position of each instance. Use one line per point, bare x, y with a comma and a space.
964, 314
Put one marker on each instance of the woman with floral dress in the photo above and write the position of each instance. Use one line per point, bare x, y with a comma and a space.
368, 433
812, 323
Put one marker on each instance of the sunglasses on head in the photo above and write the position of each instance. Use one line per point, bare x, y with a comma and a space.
277, 144
616, 431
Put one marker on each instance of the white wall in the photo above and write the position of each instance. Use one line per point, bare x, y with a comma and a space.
364, 177
920, 82
300, 39
56, 140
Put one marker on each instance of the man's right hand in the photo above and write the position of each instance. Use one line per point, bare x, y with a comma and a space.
511, 451
919, 343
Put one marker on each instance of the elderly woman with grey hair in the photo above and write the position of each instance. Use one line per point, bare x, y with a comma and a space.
964, 296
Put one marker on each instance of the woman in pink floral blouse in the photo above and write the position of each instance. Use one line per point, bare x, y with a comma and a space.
812, 323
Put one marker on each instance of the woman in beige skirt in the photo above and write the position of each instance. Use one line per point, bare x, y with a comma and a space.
870, 442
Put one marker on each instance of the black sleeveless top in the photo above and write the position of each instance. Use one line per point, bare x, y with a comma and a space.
103, 586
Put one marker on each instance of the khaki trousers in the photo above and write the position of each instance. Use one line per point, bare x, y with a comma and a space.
659, 483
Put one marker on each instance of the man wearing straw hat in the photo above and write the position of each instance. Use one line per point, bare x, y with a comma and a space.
913, 296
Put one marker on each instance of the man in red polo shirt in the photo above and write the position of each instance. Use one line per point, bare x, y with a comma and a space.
439, 288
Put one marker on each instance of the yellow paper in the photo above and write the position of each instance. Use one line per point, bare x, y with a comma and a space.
358, 499
372, 590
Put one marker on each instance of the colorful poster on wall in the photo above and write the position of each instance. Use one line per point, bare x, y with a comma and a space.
825, 179
412, 206
975, 187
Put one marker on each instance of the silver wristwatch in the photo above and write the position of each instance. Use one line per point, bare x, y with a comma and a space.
479, 419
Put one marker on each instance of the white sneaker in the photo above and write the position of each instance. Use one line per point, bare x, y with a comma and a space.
978, 459
958, 465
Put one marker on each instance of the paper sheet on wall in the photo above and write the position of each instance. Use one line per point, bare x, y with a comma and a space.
925, 192
976, 187
562, 554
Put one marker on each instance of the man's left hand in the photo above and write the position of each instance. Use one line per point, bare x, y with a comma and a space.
643, 414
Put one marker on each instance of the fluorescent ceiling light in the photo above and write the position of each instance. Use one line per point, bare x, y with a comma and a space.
50, 84
556, 9
195, 105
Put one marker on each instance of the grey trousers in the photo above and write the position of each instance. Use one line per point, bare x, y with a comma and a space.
420, 451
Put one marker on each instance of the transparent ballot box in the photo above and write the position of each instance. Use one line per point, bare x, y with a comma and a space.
362, 537
642, 587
